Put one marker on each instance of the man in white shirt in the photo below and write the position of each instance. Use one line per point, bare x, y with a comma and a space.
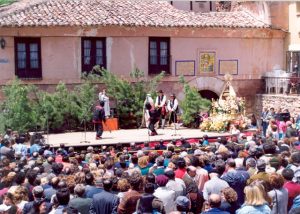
173, 108
166, 195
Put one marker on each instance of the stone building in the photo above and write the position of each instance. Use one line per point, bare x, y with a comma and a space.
56, 40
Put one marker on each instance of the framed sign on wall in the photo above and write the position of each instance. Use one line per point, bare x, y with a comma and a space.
185, 67
228, 67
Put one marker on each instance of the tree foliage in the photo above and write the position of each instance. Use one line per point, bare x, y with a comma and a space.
17, 110
193, 103
26, 108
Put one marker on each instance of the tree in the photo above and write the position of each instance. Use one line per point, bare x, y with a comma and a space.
192, 104
17, 108
129, 95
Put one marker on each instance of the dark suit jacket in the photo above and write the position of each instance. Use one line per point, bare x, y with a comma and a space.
28, 206
81, 204
104, 203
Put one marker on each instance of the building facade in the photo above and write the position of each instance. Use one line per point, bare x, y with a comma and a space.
58, 40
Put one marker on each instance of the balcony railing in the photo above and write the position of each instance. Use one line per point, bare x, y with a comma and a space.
282, 85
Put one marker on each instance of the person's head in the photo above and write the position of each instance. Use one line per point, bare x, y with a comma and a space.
89, 179
214, 173
8, 199
63, 196
159, 161
255, 194
214, 200
250, 162
5, 143
54, 182
38, 192
101, 103
220, 166
161, 180
181, 163
57, 168
231, 163
172, 96
143, 162
31, 176
20, 194
160, 92
20, 178
148, 106
149, 188
288, 174
183, 204
269, 148
229, 194
295, 158
261, 165
70, 210
79, 190
276, 181
170, 174
123, 185
107, 184
135, 180
191, 171
150, 178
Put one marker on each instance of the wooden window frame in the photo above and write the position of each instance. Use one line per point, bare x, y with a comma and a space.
28, 72
158, 68
88, 68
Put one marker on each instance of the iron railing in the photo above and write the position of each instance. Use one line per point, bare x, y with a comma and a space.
282, 85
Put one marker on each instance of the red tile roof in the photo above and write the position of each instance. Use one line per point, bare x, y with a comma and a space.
123, 13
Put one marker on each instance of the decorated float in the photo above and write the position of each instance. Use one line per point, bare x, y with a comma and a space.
228, 109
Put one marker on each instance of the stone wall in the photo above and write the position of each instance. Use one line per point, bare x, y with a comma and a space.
290, 102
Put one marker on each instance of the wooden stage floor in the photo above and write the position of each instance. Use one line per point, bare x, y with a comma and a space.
77, 139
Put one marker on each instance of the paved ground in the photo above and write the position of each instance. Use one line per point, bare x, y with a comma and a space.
124, 136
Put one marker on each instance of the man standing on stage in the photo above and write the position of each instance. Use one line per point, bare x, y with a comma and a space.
105, 99
98, 118
173, 108
160, 105
153, 118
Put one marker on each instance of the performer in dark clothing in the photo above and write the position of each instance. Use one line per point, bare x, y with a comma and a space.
154, 117
98, 118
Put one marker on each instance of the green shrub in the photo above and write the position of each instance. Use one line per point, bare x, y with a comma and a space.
17, 109
192, 104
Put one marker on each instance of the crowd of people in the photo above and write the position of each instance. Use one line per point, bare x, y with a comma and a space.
240, 174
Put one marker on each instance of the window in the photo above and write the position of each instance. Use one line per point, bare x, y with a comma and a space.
159, 55
28, 58
93, 53
293, 62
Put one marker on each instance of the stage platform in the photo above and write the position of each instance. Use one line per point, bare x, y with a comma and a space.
77, 139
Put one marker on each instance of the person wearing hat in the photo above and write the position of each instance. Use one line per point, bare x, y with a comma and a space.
183, 204
160, 105
173, 108
164, 194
